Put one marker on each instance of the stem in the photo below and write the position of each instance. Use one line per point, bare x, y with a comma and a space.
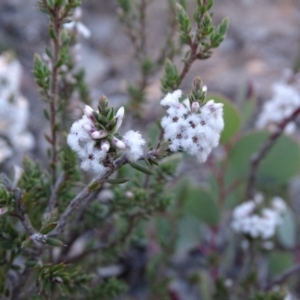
189, 62
52, 201
264, 149
53, 91
56, 17
76, 202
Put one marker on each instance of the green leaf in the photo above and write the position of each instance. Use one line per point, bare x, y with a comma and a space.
94, 186
47, 228
189, 233
201, 204
141, 168
279, 262
232, 117
287, 231
279, 165
248, 108
54, 242
117, 180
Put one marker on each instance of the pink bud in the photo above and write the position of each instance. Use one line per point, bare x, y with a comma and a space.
195, 106
88, 127
88, 111
105, 146
100, 134
3, 210
118, 143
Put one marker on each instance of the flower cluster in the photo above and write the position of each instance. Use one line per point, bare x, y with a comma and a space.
14, 110
191, 127
96, 140
255, 221
284, 101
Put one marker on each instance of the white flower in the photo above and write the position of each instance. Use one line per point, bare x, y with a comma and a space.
192, 128
284, 101
81, 140
14, 109
134, 145
171, 98
248, 218
279, 204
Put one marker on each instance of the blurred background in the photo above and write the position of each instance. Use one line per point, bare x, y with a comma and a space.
262, 41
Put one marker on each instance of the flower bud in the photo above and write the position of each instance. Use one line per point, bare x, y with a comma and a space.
3, 210
88, 127
105, 146
88, 111
195, 107
119, 116
120, 113
118, 143
100, 134
204, 89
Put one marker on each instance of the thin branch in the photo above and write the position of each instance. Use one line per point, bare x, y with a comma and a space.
283, 277
76, 202
56, 24
52, 200
262, 152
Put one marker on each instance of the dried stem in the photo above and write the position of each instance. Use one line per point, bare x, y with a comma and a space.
262, 152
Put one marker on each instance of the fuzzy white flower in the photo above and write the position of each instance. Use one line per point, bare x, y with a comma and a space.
134, 145
192, 128
251, 219
284, 101
171, 98
14, 109
80, 139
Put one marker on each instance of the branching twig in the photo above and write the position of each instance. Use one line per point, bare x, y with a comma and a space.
87, 190
283, 277
262, 152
